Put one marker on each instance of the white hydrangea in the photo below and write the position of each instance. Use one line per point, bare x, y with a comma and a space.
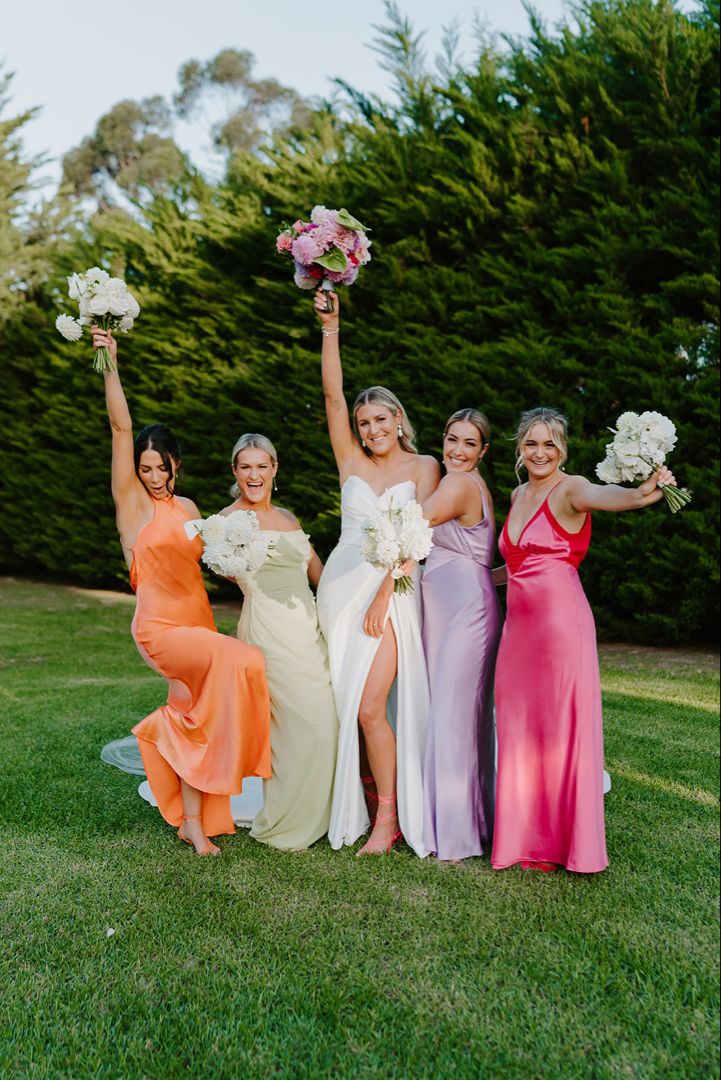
639, 447
69, 328
234, 544
100, 298
608, 471
394, 537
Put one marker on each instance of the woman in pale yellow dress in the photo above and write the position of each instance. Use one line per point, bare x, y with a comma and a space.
279, 617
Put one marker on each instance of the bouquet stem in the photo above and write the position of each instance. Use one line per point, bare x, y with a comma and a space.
676, 497
403, 585
103, 361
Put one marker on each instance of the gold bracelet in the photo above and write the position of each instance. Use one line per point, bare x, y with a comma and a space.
329, 333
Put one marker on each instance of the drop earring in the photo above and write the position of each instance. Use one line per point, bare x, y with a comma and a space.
275, 484
363, 443
399, 429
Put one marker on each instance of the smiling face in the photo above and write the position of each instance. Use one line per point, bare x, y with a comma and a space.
463, 447
254, 471
377, 427
156, 478
541, 456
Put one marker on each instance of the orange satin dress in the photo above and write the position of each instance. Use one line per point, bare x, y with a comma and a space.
215, 727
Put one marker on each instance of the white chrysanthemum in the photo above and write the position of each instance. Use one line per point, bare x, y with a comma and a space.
69, 327
213, 556
418, 542
388, 552
213, 530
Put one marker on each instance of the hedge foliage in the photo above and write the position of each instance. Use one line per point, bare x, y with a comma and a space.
545, 231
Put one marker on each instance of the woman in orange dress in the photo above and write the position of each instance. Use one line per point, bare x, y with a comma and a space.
214, 730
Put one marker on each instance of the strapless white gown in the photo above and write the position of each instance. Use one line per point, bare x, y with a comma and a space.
346, 589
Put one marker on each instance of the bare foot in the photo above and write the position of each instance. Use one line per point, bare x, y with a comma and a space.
191, 832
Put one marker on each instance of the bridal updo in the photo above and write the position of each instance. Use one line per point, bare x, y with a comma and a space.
380, 395
555, 422
251, 441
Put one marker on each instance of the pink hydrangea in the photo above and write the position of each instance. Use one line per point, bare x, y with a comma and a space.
305, 249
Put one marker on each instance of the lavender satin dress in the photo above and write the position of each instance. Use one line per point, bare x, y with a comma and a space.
461, 629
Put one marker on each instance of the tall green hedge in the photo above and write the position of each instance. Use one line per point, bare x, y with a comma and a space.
544, 232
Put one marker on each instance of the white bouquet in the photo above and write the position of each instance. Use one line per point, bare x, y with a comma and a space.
639, 447
394, 537
101, 299
233, 545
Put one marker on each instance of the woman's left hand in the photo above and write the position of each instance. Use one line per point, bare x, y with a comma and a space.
663, 477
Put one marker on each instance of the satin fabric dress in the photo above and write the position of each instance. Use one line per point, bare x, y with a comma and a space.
461, 628
279, 617
549, 786
214, 729
346, 589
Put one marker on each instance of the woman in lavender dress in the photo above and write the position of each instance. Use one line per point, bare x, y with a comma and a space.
461, 629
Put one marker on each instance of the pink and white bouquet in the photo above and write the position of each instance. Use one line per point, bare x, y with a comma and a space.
103, 300
639, 447
394, 537
234, 545
328, 250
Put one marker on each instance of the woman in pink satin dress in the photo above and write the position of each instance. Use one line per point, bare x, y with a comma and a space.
549, 785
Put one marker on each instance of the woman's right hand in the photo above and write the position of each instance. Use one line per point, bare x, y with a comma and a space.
330, 319
104, 339
375, 617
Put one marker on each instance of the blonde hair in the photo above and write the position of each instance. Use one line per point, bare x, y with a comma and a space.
379, 395
471, 416
555, 422
251, 441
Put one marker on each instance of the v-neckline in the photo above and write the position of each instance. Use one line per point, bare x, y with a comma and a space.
531, 519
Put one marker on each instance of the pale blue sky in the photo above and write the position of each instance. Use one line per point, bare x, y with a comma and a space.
77, 59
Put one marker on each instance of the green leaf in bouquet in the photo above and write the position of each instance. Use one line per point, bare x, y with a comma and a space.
334, 260
349, 222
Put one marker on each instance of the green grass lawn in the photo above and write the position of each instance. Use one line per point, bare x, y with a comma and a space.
263, 963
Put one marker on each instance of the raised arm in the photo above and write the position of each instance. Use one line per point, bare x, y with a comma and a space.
583, 496
336, 408
124, 482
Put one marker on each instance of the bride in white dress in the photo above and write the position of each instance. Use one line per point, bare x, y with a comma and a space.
373, 634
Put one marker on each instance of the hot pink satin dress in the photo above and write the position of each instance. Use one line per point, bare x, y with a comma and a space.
549, 786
